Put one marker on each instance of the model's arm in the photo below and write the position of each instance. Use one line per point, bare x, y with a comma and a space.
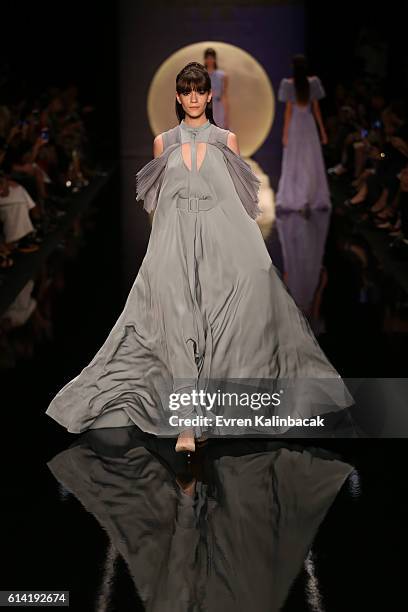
286, 122
158, 146
232, 142
318, 116
225, 99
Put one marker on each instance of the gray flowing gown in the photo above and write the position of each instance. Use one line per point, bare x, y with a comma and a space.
207, 303
303, 202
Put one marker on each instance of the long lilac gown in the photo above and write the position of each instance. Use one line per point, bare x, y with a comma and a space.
217, 85
303, 203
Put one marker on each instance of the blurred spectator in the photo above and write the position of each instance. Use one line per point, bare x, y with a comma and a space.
372, 51
45, 156
369, 137
15, 206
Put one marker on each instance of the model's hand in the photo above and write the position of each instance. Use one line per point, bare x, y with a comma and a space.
285, 140
324, 138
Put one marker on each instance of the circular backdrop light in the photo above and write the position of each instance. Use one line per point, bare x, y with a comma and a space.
250, 93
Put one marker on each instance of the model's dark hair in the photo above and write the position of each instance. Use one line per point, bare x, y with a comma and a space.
210, 52
193, 76
301, 82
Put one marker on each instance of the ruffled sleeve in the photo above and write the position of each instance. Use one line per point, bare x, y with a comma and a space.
246, 183
316, 89
149, 179
286, 91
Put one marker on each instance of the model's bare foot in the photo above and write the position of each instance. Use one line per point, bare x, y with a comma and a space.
185, 442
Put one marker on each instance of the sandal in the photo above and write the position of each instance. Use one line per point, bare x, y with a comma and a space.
384, 222
4, 248
28, 248
396, 230
391, 224
27, 244
6, 261
376, 214
357, 206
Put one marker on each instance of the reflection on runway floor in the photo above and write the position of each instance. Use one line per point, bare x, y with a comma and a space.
230, 531
125, 524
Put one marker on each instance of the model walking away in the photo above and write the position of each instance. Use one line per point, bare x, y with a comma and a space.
303, 188
219, 88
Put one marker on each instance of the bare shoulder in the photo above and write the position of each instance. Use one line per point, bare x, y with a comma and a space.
158, 146
232, 142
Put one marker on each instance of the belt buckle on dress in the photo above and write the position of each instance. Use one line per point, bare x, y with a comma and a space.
190, 207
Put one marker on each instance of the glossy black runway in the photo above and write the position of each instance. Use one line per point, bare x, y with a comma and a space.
117, 517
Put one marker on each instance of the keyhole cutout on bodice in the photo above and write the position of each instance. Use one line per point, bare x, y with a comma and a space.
201, 148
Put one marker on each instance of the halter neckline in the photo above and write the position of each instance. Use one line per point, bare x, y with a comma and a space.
197, 128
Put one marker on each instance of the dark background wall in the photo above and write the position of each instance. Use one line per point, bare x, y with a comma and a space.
333, 31
55, 43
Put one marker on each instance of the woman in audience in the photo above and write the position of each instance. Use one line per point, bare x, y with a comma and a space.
15, 207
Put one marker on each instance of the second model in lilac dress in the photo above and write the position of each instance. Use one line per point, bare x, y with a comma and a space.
303, 197
217, 86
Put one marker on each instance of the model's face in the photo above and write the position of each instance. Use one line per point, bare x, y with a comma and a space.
210, 62
194, 102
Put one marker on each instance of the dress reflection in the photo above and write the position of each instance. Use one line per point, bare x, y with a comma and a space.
303, 242
230, 533
303, 204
